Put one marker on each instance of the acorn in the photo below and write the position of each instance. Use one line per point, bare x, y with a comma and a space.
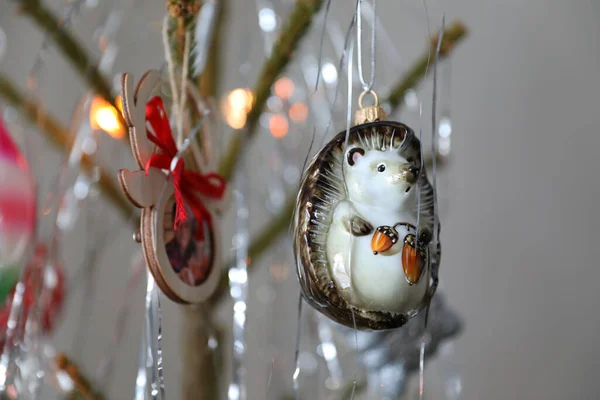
413, 260
383, 239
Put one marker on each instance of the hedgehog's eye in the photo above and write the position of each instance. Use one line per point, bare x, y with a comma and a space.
381, 167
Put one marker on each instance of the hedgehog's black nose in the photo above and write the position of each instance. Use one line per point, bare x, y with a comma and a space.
412, 174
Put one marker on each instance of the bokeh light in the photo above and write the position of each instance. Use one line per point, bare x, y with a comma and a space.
236, 106
329, 73
284, 88
278, 125
267, 20
106, 117
298, 112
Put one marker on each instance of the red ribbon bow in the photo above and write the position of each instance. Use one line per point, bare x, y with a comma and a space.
187, 183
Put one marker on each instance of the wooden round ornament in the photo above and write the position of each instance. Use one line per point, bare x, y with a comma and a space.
363, 224
184, 267
183, 257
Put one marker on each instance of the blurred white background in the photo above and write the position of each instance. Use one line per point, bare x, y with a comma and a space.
520, 196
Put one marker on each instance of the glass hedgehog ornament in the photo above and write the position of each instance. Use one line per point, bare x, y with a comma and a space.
363, 226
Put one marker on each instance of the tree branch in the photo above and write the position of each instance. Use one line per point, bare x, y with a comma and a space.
208, 81
69, 47
183, 19
203, 340
452, 36
58, 135
297, 25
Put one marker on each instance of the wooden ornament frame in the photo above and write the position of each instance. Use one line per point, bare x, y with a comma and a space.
152, 193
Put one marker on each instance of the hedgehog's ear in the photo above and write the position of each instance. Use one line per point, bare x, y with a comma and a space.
354, 154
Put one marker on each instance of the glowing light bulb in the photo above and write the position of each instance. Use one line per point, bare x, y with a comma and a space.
106, 117
298, 112
278, 125
267, 20
445, 127
236, 119
329, 73
240, 99
284, 88
236, 106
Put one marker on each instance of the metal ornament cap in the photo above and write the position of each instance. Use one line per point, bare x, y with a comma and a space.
368, 114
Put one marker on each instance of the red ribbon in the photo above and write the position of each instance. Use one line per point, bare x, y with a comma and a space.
187, 183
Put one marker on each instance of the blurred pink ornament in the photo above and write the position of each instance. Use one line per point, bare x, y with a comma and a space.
17, 201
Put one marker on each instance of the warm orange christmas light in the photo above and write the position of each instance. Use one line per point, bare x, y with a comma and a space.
298, 112
278, 125
104, 116
236, 106
240, 99
284, 88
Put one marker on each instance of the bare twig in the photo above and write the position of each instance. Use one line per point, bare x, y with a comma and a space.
183, 18
208, 81
452, 36
53, 130
297, 25
69, 47
204, 351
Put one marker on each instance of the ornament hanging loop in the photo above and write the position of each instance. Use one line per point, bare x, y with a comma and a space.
369, 113
372, 93
367, 86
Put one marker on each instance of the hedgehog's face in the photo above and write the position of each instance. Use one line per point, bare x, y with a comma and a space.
379, 178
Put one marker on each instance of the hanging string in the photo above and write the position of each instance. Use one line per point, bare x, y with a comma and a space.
424, 328
349, 69
366, 86
333, 364
347, 53
238, 288
170, 68
357, 18
355, 344
153, 333
385, 39
320, 60
141, 378
238, 274
184, 81
296, 376
434, 129
435, 219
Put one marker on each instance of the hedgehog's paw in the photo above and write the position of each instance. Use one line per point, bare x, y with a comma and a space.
357, 226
